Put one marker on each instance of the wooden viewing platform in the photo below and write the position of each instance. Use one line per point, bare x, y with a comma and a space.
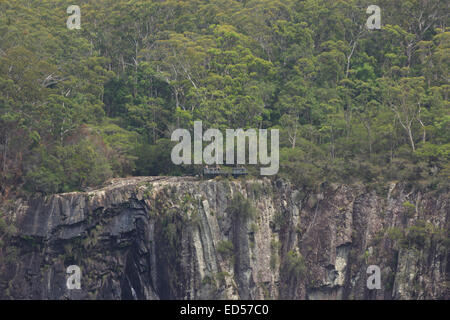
215, 171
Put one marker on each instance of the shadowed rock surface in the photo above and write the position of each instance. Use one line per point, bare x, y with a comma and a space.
182, 238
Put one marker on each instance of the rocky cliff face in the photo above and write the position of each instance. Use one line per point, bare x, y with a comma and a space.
182, 238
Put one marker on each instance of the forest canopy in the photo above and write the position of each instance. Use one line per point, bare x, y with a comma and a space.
78, 107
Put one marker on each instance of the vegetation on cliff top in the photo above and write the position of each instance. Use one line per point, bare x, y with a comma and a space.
80, 106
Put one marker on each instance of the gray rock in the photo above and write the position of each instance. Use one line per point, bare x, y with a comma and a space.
167, 238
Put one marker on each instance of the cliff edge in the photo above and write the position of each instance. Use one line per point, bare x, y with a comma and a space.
183, 238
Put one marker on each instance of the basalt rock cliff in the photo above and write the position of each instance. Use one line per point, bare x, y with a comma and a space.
184, 238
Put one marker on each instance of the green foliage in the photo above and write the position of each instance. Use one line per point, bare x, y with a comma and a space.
280, 219
221, 276
241, 207
120, 145
80, 106
70, 167
294, 265
209, 280
196, 219
421, 235
410, 209
395, 233
257, 189
155, 159
226, 249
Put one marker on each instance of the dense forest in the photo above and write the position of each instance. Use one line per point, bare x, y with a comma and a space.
78, 107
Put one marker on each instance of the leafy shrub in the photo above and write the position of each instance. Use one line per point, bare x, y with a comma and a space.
241, 207
410, 209
69, 168
225, 248
395, 233
294, 264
